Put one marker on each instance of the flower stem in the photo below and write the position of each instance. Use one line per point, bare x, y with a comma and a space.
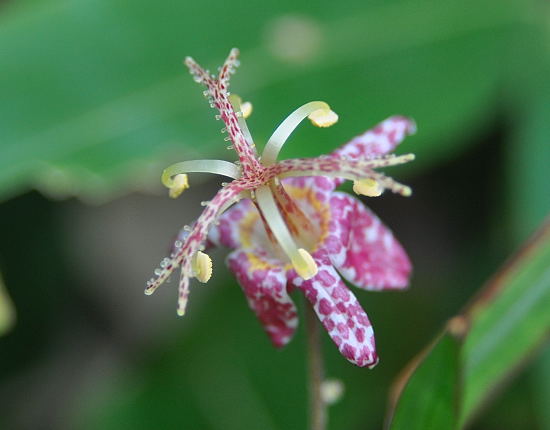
317, 407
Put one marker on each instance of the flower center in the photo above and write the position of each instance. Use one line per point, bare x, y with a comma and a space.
304, 215
302, 229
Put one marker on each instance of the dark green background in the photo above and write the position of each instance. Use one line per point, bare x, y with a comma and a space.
94, 102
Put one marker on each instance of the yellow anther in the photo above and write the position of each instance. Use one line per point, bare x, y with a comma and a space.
367, 187
181, 312
179, 184
246, 109
323, 117
202, 266
304, 264
406, 192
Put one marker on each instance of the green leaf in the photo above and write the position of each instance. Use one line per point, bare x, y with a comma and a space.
7, 311
212, 375
507, 323
430, 398
501, 330
95, 99
541, 382
528, 149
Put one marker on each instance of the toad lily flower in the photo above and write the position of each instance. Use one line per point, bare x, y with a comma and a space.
292, 230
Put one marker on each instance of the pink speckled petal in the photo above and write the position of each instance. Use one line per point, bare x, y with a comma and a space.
264, 281
321, 184
340, 313
374, 259
379, 140
321, 189
226, 232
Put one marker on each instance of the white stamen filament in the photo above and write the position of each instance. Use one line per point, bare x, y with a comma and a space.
236, 102
301, 260
219, 167
285, 129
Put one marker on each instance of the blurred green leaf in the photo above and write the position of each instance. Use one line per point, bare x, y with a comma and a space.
508, 322
7, 311
501, 329
430, 398
541, 381
528, 150
528, 167
211, 375
95, 99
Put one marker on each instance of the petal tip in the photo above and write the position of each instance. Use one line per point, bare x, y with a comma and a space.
373, 363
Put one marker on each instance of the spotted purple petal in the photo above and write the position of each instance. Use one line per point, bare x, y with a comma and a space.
340, 313
228, 230
264, 281
380, 140
374, 259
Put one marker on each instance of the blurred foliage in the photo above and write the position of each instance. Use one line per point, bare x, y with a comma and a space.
7, 312
95, 102
496, 335
542, 388
430, 397
94, 94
